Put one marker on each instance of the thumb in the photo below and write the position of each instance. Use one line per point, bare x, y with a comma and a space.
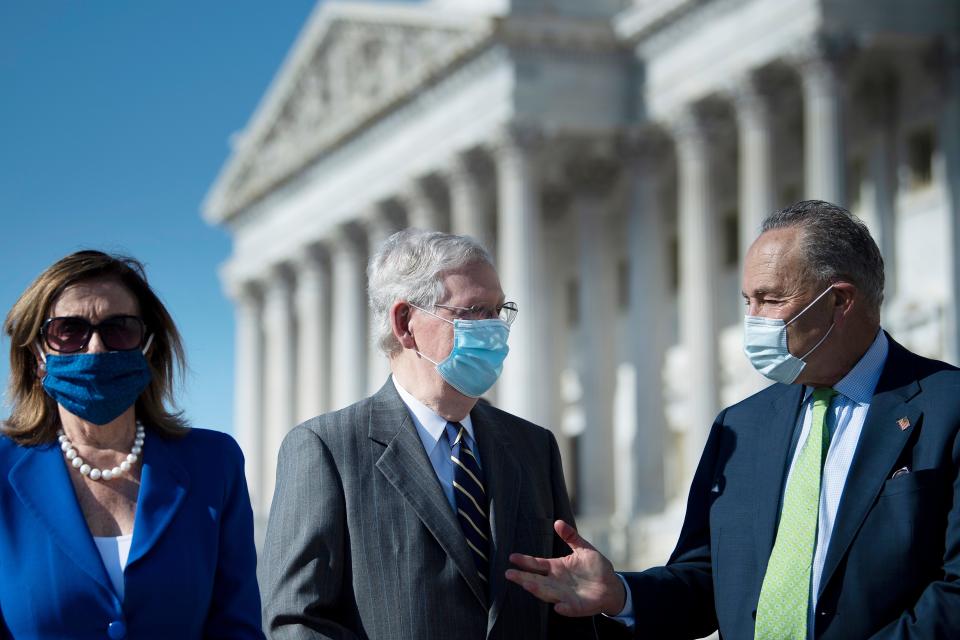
569, 535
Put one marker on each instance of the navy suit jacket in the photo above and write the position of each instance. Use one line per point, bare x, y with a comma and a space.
893, 566
191, 571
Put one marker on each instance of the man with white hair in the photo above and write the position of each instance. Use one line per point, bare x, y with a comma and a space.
393, 518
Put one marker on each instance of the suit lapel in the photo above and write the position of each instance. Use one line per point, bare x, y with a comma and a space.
502, 473
41, 482
881, 442
405, 465
771, 464
163, 487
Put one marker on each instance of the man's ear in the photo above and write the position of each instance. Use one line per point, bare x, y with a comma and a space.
844, 301
400, 312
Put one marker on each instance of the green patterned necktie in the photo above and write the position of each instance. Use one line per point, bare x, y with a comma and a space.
785, 596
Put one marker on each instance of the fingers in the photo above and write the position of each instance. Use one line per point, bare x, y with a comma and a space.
540, 566
569, 535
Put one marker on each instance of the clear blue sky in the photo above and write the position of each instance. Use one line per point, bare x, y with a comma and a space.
114, 121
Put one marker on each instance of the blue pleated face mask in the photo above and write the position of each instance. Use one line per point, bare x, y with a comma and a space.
96, 387
476, 360
765, 345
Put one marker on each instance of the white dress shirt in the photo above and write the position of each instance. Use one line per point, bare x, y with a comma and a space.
431, 428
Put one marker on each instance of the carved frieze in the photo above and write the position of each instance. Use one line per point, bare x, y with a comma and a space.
357, 70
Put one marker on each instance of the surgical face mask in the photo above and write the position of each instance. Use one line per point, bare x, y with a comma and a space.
765, 345
476, 360
96, 387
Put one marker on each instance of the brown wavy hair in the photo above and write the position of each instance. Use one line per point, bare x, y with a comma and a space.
34, 418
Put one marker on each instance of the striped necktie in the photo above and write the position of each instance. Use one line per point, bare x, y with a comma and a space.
785, 595
470, 496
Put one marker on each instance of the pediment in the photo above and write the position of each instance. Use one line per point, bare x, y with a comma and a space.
352, 64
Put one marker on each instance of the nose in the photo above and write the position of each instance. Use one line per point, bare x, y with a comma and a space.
95, 344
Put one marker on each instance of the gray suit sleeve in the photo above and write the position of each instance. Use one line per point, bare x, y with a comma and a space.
304, 568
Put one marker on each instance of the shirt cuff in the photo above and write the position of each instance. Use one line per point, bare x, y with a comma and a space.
625, 617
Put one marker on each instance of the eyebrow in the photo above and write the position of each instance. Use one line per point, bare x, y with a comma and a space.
759, 293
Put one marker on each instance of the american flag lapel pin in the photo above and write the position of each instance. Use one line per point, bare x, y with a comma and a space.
903, 423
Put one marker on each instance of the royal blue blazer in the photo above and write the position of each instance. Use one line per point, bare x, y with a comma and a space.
191, 572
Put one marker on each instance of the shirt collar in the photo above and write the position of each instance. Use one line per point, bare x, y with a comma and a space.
861, 381
430, 425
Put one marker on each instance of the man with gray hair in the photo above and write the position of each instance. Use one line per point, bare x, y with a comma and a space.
393, 518
826, 506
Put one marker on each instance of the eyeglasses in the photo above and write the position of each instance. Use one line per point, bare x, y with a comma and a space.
506, 312
69, 334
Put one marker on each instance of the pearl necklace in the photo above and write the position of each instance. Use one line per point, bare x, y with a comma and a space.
101, 474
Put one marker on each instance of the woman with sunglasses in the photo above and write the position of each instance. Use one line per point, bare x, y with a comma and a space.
117, 520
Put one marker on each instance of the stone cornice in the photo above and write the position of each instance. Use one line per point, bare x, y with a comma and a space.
632, 25
355, 63
558, 32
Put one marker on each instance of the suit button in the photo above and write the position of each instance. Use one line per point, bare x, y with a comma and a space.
117, 630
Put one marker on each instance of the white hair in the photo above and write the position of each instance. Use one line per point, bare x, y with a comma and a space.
410, 265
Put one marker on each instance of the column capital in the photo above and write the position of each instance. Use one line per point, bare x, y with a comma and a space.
823, 57
592, 171
243, 290
462, 166
943, 62
751, 95
309, 258
643, 147
347, 238
518, 136
877, 97
383, 218
278, 278
693, 126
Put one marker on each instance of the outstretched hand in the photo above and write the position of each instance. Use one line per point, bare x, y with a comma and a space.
580, 584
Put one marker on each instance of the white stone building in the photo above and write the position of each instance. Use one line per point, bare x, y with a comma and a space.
617, 157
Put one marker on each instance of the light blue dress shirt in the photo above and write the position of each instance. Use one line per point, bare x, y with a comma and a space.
845, 419
431, 428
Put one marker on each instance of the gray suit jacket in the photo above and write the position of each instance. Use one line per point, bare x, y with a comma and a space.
362, 543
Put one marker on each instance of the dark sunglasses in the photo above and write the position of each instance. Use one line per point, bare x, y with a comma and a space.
70, 334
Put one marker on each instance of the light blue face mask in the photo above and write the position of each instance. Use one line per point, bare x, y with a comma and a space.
765, 345
476, 360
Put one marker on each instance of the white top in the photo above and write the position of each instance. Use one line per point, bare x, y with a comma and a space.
114, 551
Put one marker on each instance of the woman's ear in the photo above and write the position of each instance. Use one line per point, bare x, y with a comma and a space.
40, 358
400, 324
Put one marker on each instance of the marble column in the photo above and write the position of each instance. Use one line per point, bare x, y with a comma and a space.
248, 390
699, 265
520, 257
880, 193
756, 170
379, 225
313, 332
424, 209
950, 145
823, 148
349, 348
469, 214
279, 368
643, 489
593, 178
